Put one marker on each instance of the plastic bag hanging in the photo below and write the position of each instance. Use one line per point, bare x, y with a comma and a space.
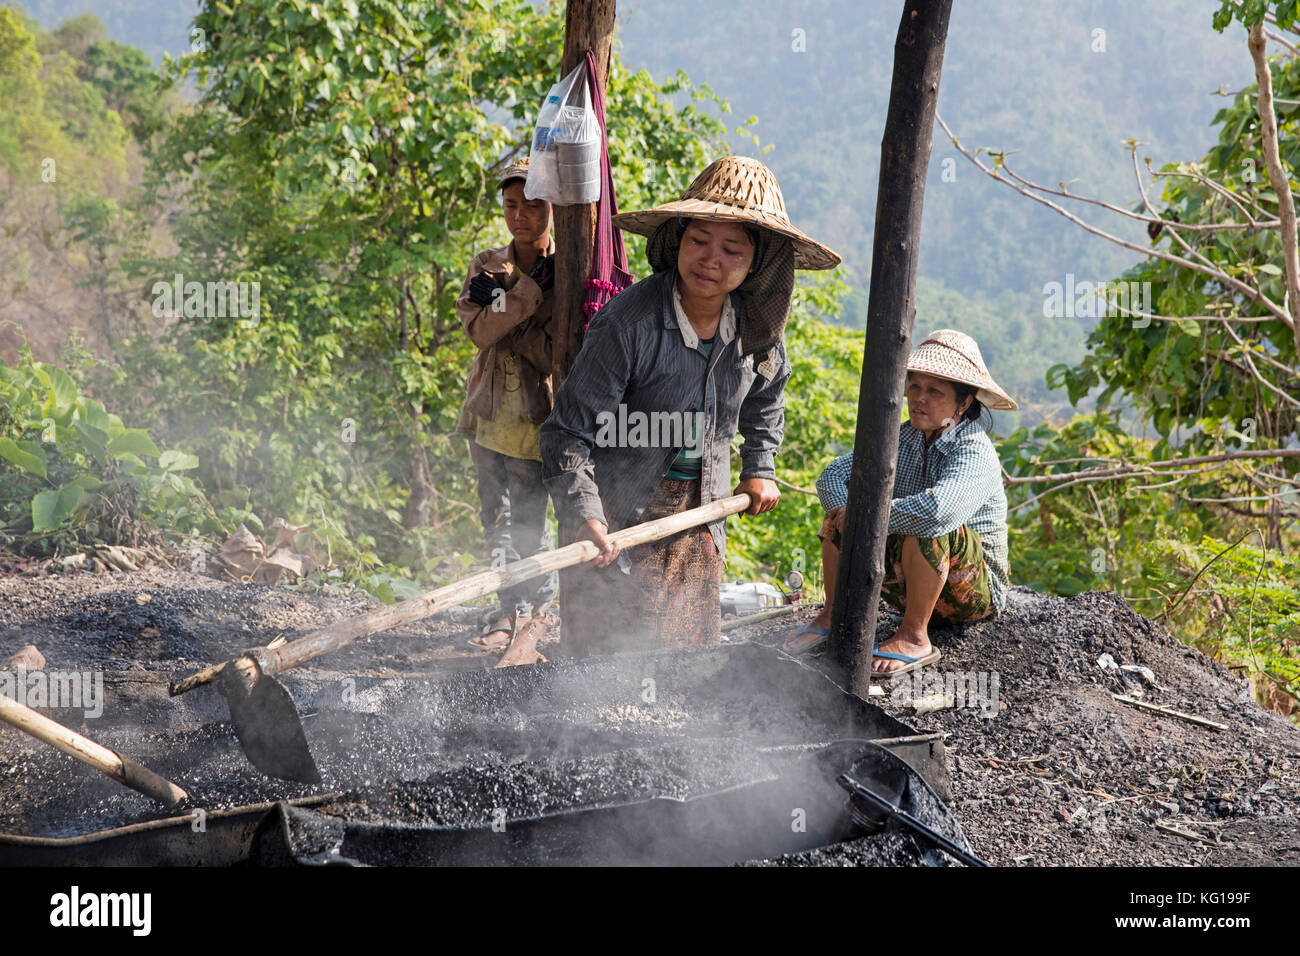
564, 163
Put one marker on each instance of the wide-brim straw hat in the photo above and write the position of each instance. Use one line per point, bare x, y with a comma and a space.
734, 189
954, 356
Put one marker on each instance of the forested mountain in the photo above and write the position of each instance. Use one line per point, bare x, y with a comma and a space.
1019, 75
1032, 76
310, 176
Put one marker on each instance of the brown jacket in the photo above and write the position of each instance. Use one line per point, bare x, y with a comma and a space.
523, 326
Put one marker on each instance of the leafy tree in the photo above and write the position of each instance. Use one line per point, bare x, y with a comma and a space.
1212, 362
341, 155
1208, 361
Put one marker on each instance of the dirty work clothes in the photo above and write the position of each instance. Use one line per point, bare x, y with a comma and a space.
510, 432
516, 328
966, 595
669, 597
634, 356
955, 480
513, 502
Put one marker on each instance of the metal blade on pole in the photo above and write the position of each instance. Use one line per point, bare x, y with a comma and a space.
262, 709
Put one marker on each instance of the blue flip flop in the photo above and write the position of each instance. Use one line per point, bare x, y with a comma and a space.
911, 663
822, 634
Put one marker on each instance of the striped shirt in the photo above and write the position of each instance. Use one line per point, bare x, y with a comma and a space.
955, 481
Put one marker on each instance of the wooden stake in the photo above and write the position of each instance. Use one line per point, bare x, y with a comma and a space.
588, 25
904, 157
1185, 834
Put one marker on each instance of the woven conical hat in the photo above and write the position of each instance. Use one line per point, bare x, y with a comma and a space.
954, 355
734, 189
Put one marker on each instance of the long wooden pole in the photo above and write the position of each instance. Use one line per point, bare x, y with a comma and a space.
588, 25
891, 306
273, 660
84, 750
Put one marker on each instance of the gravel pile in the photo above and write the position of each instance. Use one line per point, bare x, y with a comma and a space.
1054, 771
1058, 772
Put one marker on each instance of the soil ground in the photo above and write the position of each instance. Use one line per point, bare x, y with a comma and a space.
1055, 771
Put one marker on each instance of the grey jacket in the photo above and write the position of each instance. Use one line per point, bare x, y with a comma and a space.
634, 356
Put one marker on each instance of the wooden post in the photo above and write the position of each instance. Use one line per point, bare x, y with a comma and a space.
588, 25
904, 157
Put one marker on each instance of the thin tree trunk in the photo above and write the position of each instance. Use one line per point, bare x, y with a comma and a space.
404, 336
588, 25
421, 483
1277, 177
904, 157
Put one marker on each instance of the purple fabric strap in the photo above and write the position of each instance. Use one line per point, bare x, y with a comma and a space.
609, 273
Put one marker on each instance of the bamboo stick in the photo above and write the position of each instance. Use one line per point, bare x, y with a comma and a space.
1190, 718
84, 750
273, 660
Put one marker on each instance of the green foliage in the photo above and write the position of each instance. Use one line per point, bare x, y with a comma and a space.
1237, 602
1087, 536
821, 402
74, 470
1251, 12
1180, 375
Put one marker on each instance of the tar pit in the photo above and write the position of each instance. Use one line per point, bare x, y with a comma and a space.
705, 756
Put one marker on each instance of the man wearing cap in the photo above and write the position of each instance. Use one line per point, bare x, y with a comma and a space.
505, 308
946, 553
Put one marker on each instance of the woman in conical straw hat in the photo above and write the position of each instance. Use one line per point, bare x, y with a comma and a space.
946, 554
669, 372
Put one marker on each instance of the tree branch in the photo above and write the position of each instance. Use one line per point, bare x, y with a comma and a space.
1248, 291
1165, 463
1228, 194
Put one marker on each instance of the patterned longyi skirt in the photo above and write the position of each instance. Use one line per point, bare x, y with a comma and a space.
667, 597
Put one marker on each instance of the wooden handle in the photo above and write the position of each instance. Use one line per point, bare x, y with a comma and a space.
196, 679
476, 585
122, 769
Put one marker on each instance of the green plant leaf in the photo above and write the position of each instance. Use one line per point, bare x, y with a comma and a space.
404, 589
62, 389
94, 414
173, 460
51, 508
133, 441
25, 460
96, 438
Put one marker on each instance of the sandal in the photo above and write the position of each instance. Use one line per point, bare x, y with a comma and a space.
910, 663
823, 635
488, 641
